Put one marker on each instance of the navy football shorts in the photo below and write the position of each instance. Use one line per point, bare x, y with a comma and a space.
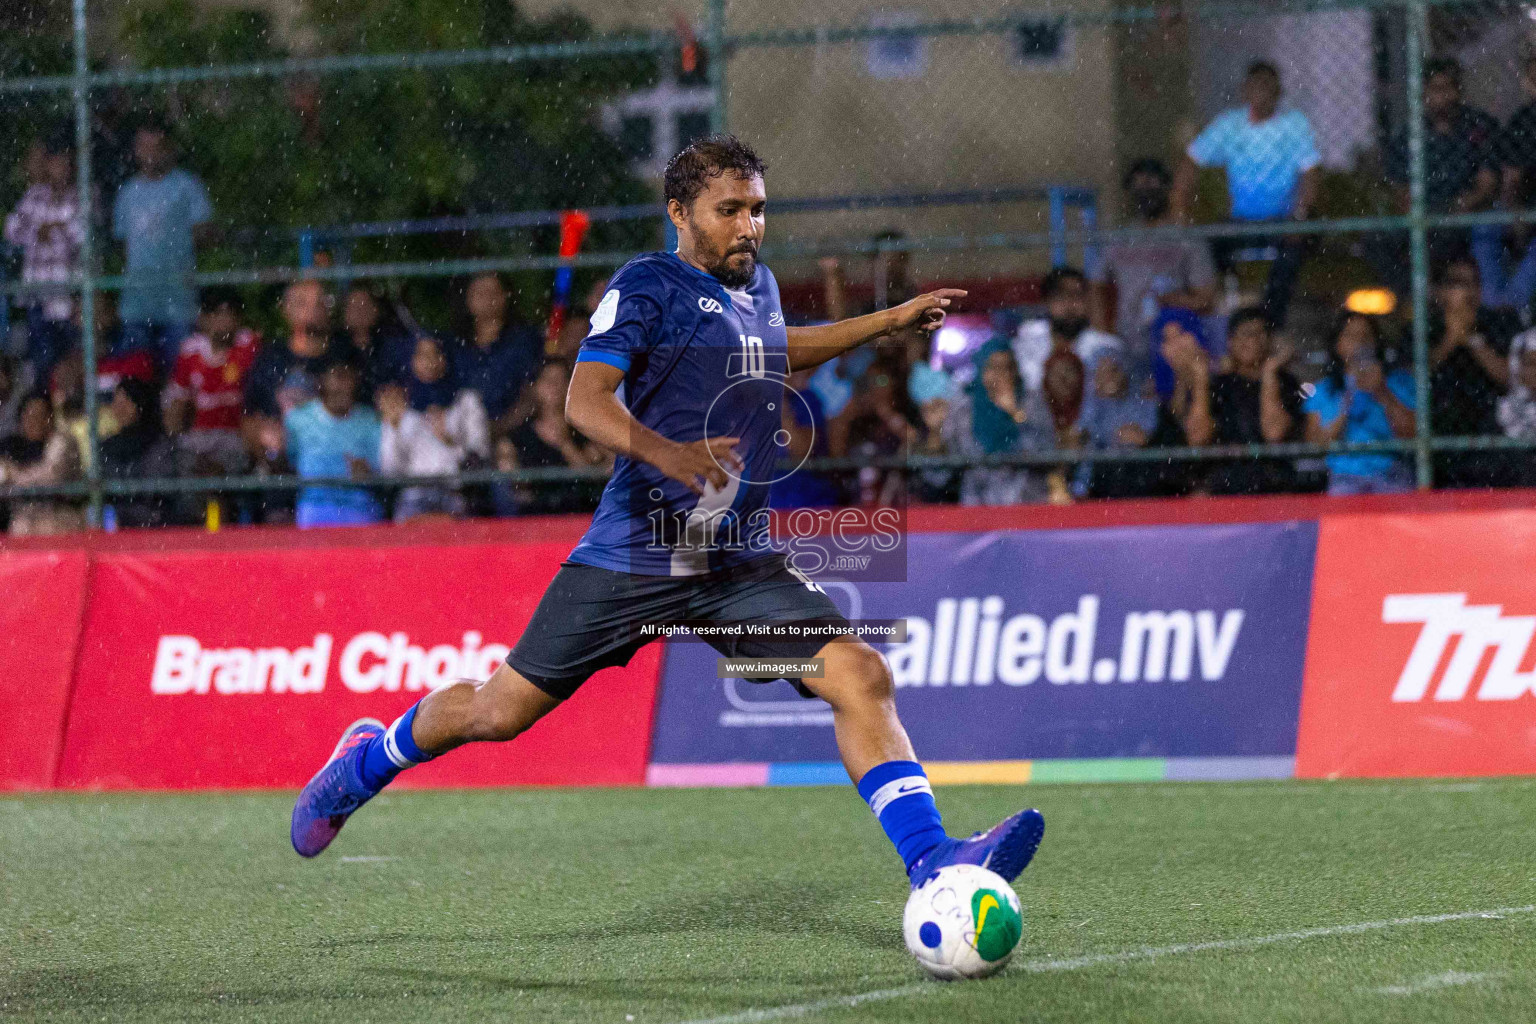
591, 618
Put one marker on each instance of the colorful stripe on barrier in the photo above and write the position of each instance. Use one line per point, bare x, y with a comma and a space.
955, 773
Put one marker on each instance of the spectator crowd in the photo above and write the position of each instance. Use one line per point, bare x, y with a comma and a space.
187, 387
1136, 351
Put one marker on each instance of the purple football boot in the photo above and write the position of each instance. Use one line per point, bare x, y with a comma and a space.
1006, 849
325, 804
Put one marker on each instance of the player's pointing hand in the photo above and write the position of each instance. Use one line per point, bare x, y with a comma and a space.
926, 312
711, 461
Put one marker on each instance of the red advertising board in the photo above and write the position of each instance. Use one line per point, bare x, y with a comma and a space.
180, 659
1420, 656
239, 668
39, 636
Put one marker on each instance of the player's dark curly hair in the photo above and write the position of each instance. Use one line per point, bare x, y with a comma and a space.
689, 172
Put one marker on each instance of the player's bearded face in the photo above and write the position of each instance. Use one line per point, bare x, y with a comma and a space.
729, 258
735, 266
726, 223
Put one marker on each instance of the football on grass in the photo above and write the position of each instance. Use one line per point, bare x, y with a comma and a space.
962, 922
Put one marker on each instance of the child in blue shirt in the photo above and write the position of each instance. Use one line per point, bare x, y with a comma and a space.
333, 436
1359, 400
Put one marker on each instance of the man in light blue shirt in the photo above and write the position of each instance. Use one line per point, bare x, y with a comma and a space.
1272, 165
160, 216
333, 436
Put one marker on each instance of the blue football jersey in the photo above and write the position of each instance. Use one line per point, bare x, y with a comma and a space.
699, 360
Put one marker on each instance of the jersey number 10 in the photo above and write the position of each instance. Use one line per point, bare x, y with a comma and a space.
752, 355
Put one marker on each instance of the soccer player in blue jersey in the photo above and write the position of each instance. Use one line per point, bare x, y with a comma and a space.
682, 376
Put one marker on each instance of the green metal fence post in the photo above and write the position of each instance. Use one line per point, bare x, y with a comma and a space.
82, 95
717, 58
1418, 240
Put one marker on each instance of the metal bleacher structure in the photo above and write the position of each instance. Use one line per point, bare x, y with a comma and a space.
1410, 43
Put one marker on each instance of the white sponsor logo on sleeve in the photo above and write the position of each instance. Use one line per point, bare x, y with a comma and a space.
606, 312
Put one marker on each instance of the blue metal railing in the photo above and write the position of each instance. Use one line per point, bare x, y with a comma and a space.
1059, 200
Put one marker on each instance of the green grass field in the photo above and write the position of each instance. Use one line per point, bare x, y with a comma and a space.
669, 906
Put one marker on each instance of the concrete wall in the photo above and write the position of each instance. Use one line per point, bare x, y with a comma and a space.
975, 117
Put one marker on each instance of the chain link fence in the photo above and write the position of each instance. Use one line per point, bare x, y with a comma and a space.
988, 142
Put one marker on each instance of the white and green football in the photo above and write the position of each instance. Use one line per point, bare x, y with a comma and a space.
962, 922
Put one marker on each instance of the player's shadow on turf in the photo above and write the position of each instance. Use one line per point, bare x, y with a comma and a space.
787, 907
616, 988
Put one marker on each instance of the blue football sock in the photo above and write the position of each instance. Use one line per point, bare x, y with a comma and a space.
899, 794
392, 752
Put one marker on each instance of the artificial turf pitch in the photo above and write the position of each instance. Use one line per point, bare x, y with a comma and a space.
751, 905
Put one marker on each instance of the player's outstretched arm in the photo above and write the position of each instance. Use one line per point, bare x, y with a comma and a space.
812, 346
593, 407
